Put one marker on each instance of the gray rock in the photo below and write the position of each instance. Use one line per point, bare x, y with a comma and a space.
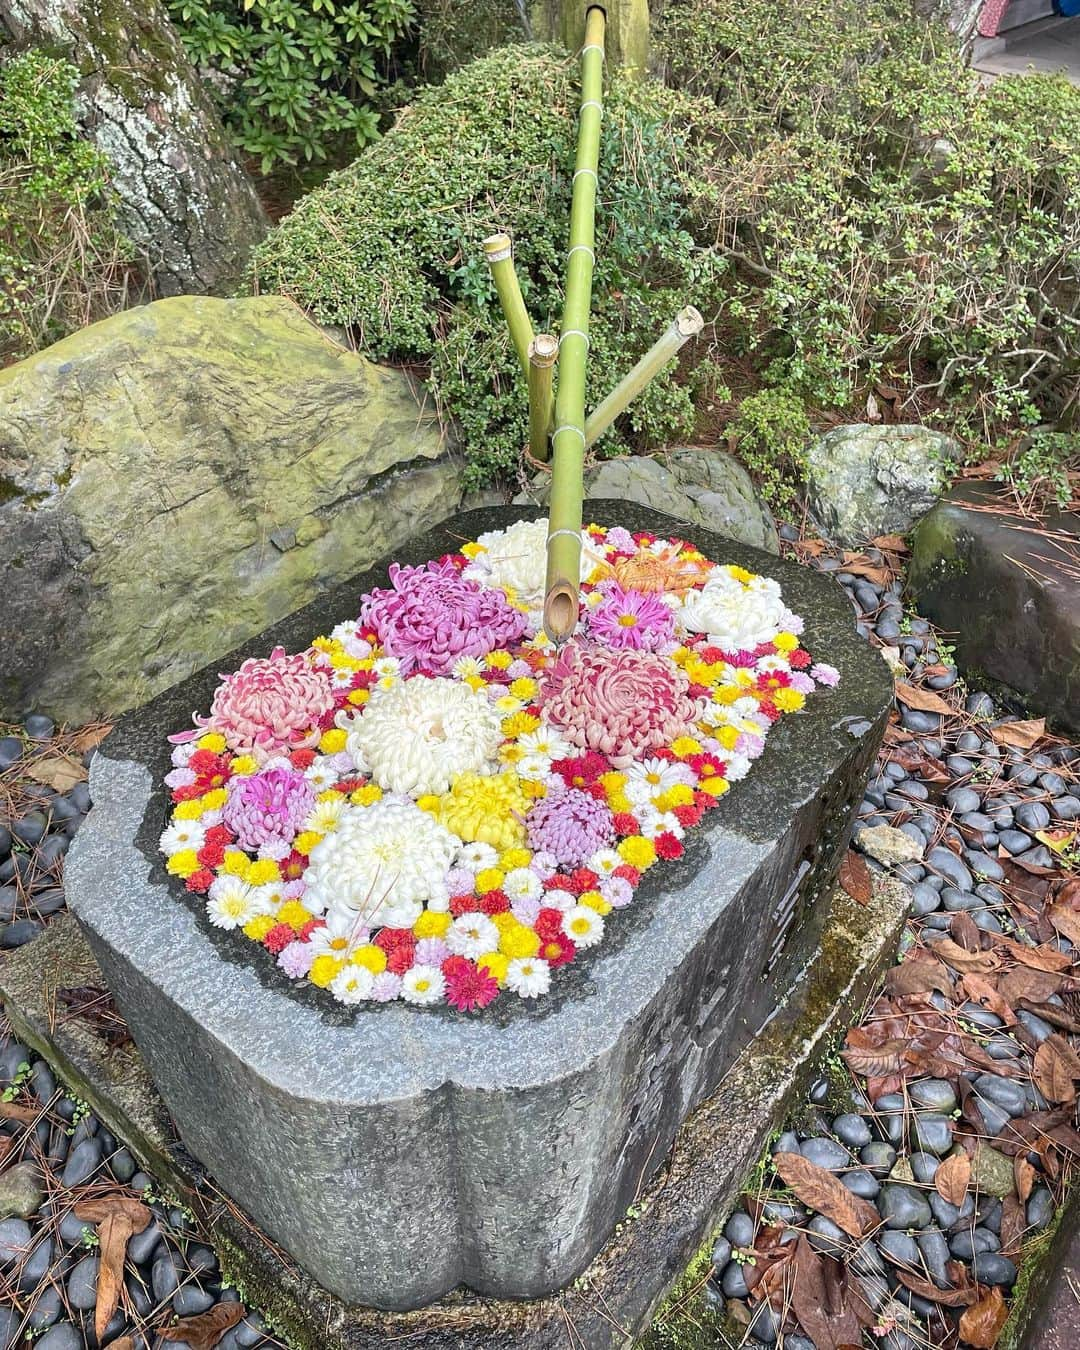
825, 1236
123, 1165
190, 1300
903, 1207
15, 1240
46, 1308
924, 900
83, 1161
788, 1142
780, 1211
948, 865
1040, 1208
82, 1283
1067, 808
935, 1254
864, 481
887, 845
1004, 1092
164, 1275
878, 1158
993, 1268
733, 1283
21, 1191
963, 799
980, 1016
1038, 1028
1015, 841
739, 1229
863, 1183
1032, 816
141, 1246
38, 1263
924, 1166
899, 1247
826, 1153
851, 1130
994, 1117
992, 1170
983, 866
721, 1253
62, 1336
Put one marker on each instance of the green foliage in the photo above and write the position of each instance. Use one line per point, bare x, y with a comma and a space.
1039, 471
455, 32
771, 432
63, 262
391, 246
885, 215
294, 78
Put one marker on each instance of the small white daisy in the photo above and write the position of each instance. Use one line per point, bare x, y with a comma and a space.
546, 741
528, 976
343, 932
534, 768
472, 934
231, 903
181, 835
477, 856
604, 862
387, 665
422, 984
465, 666
564, 901
352, 985
321, 774
583, 926
738, 766
325, 816
522, 883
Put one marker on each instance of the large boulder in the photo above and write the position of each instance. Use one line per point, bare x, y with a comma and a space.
177, 477
863, 481
1006, 587
707, 488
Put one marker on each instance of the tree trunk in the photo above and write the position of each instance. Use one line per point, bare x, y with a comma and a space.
185, 200
627, 31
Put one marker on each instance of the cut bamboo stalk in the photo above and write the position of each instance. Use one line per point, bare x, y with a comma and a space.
543, 351
568, 441
500, 258
686, 324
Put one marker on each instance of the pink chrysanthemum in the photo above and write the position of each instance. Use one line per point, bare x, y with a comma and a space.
621, 703
431, 616
270, 805
629, 618
271, 706
467, 986
570, 825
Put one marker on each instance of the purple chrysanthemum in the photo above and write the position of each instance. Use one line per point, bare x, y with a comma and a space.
295, 959
431, 616
569, 824
631, 619
271, 804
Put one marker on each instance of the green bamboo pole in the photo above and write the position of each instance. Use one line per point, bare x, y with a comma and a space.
543, 351
568, 440
500, 258
684, 326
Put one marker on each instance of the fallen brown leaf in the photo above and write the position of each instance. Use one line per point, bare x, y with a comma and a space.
1066, 920
891, 543
1024, 1175
913, 759
1038, 958
118, 1217
918, 975
949, 1298
60, 772
981, 963
1055, 1069
25, 1115
1026, 982
981, 991
952, 1178
204, 1331
981, 1324
817, 1300
855, 877
925, 700
875, 1061
1013, 1225
87, 739
821, 1191
1020, 735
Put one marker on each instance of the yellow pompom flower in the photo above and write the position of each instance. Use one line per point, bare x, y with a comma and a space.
259, 926
612, 781
474, 681
498, 660
428, 802
524, 687
515, 857
370, 957
263, 871
532, 787
727, 736
785, 642
473, 550
504, 920
517, 941
431, 924
684, 746
236, 864
366, 795
517, 724
305, 841
323, 644
357, 697
619, 801
715, 787
595, 901
496, 965
489, 879
333, 741
294, 914
213, 741
741, 574
511, 753
638, 851
214, 799
243, 765
191, 810
323, 969
183, 864
485, 808
788, 700
679, 794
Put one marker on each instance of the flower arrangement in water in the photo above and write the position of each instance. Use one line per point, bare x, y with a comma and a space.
435, 804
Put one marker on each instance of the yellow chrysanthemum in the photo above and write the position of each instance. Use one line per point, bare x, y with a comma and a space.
305, 841
474, 681
595, 901
532, 787
518, 941
366, 795
619, 801
741, 574
727, 694
431, 924
213, 741
788, 700
191, 810
785, 642
370, 957
182, 864
524, 687
685, 745
489, 879
333, 741
485, 808
511, 753
498, 660
496, 965
428, 802
612, 781
519, 723
357, 697
473, 549
323, 969
727, 736
263, 871
504, 920
323, 644
259, 926
243, 765
294, 914
236, 864
638, 851
715, 787
214, 799
515, 857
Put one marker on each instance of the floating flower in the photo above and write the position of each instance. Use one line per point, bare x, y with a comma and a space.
486, 808
631, 619
621, 703
418, 736
528, 976
659, 570
569, 824
432, 616
271, 705
269, 805
735, 614
467, 986
382, 864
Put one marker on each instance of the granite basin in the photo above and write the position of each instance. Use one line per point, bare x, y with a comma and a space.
397, 1153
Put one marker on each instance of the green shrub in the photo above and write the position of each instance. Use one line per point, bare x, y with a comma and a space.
886, 216
293, 78
1039, 470
391, 246
63, 262
771, 433
455, 32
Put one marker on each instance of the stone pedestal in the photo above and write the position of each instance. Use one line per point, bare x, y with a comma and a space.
397, 1153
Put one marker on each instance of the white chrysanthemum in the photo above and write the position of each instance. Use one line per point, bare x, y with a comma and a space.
422, 984
652, 823
343, 931
417, 736
648, 778
604, 862
321, 774
476, 856
472, 934
515, 559
735, 617
382, 863
528, 976
583, 926
522, 883
546, 741
534, 768
181, 835
231, 903
352, 985
325, 816
738, 766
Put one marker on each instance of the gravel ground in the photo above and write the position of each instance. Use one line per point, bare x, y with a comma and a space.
944, 1062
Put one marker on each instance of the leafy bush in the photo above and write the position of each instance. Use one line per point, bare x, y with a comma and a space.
454, 32
1039, 471
391, 246
63, 262
771, 432
294, 78
886, 216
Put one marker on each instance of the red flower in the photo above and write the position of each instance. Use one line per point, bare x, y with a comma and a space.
667, 846
463, 904
294, 866
493, 902
628, 873
199, 881
582, 880
350, 784
625, 823
278, 938
705, 800
306, 931
581, 770
698, 690
707, 766
467, 986
557, 950
687, 816
558, 881
211, 855
187, 793
401, 958
711, 655
770, 710
219, 834
799, 659
548, 924
302, 759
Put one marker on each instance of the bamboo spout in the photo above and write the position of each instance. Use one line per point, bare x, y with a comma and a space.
543, 352
568, 442
685, 325
499, 253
